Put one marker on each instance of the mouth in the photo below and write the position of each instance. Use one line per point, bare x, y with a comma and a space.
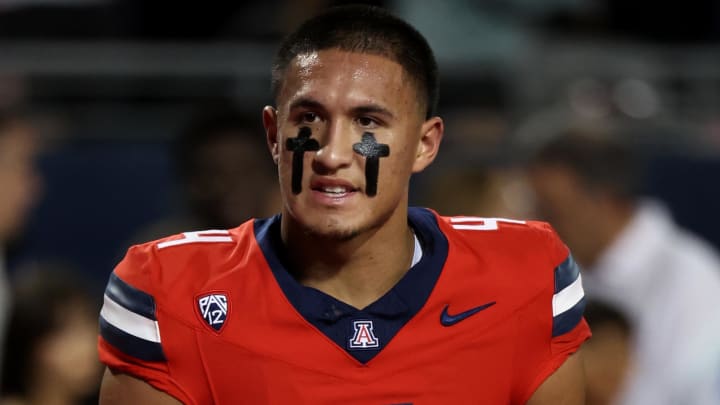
333, 189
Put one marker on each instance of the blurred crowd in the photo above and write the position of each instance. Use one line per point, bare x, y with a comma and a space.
593, 167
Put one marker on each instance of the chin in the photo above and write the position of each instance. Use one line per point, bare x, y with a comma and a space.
337, 225
333, 230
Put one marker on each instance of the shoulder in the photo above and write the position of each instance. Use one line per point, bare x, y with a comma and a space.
162, 265
682, 263
525, 259
153, 280
691, 251
503, 236
687, 274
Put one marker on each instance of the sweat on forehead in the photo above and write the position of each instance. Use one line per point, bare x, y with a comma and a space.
347, 68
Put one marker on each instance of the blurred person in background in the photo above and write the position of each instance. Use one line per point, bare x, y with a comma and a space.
19, 190
636, 257
608, 355
480, 191
50, 349
225, 175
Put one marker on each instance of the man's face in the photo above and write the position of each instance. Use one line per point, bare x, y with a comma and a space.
569, 206
19, 179
340, 96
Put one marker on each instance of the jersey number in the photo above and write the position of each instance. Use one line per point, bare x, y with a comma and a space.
209, 236
479, 223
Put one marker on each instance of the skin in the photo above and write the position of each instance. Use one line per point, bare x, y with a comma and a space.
338, 243
19, 177
608, 358
566, 386
67, 367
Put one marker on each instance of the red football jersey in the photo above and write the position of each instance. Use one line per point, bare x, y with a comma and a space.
490, 310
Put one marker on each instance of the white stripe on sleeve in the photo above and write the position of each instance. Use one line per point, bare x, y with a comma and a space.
129, 322
568, 297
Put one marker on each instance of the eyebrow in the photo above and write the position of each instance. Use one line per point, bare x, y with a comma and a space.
373, 109
306, 102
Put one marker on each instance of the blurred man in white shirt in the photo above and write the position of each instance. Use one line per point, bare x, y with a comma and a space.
636, 257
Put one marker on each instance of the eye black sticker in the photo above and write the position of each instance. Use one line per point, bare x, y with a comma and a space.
298, 146
372, 151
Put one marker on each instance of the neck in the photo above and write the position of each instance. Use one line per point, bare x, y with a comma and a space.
358, 270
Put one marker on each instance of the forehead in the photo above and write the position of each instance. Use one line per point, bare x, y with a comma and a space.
336, 74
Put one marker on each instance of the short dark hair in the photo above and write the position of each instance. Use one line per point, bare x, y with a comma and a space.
597, 157
364, 29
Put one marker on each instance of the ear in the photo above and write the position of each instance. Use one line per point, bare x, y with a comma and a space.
271, 131
432, 132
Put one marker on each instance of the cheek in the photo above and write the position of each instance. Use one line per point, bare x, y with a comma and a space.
285, 172
394, 172
400, 162
285, 157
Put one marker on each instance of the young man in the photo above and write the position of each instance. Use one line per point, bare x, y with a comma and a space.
348, 296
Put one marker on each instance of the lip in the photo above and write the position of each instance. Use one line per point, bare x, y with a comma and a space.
317, 184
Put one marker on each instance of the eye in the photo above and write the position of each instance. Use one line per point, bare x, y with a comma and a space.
367, 122
309, 117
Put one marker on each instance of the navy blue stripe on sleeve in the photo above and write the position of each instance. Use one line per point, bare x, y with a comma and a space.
566, 321
130, 297
131, 345
566, 273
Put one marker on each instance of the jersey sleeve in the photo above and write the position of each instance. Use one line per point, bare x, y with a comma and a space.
131, 338
556, 317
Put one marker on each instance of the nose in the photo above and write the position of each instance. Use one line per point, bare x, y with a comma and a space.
336, 150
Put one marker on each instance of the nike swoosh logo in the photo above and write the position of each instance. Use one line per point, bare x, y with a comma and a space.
450, 320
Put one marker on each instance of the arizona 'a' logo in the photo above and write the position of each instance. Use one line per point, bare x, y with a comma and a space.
213, 309
363, 338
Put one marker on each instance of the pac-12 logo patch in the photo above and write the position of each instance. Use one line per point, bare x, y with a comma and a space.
363, 337
213, 309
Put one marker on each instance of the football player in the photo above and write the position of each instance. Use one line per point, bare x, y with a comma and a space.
348, 295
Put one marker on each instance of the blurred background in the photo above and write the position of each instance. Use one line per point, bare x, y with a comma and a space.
141, 112
112, 83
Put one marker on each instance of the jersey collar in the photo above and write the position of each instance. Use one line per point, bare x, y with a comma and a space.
404, 300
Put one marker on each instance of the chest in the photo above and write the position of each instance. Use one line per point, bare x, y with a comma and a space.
459, 346
425, 362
